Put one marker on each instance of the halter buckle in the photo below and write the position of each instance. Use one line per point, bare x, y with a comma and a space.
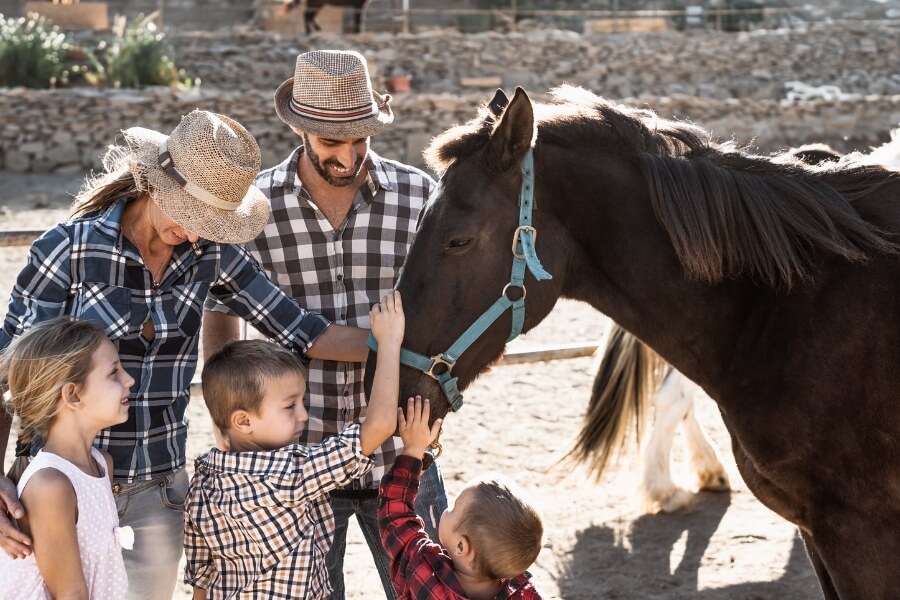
519, 230
438, 359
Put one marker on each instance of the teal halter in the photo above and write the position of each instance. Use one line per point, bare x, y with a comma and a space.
440, 366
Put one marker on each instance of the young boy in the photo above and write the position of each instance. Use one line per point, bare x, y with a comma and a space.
257, 520
489, 536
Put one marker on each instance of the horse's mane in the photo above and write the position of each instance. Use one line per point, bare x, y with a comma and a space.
727, 211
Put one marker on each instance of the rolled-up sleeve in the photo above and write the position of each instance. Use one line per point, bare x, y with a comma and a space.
247, 291
42, 287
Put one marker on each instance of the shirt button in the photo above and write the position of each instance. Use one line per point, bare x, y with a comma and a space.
343, 316
346, 393
340, 277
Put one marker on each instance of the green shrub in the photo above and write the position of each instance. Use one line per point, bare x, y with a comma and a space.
32, 54
138, 55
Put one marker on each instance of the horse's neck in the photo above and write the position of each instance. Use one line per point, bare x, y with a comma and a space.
623, 264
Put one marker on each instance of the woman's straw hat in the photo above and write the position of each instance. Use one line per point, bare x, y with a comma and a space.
202, 176
331, 96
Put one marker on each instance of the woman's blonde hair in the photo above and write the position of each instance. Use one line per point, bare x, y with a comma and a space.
35, 367
116, 182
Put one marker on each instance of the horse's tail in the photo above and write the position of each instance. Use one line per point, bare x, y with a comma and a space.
628, 375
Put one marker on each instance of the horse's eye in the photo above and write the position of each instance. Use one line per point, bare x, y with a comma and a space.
458, 243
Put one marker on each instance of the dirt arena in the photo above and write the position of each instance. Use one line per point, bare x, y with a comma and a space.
519, 421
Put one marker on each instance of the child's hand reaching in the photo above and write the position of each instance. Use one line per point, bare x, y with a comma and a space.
414, 430
388, 321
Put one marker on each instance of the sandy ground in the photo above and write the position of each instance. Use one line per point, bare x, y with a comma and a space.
519, 421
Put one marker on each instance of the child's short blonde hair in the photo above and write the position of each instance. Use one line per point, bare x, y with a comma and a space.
235, 377
504, 530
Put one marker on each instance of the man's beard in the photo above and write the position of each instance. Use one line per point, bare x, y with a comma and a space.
322, 169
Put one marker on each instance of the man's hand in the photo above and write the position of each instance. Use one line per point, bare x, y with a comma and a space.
13, 541
414, 430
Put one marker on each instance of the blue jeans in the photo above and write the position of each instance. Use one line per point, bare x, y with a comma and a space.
155, 510
430, 505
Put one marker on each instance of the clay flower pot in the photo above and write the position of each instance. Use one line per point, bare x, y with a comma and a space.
398, 84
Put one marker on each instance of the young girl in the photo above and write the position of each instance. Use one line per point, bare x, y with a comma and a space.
66, 384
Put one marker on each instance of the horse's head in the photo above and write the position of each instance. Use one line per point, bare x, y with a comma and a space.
461, 259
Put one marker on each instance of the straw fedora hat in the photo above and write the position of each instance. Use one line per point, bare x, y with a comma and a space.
330, 96
202, 176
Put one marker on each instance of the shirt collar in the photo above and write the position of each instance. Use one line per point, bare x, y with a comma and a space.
109, 225
517, 583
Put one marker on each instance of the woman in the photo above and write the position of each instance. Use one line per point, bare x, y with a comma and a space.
148, 240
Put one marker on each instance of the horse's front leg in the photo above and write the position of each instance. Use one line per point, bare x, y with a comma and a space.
309, 21
657, 491
819, 567
705, 463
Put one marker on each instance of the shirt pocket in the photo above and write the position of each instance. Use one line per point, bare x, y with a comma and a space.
186, 307
109, 305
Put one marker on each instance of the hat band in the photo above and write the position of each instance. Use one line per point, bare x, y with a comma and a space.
333, 116
165, 162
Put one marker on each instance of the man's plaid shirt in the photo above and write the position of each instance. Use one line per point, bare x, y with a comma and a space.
87, 269
421, 569
340, 274
259, 524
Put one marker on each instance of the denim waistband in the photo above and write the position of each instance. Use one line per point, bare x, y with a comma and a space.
125, 489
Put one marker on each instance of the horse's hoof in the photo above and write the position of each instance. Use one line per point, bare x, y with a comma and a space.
713, 481
676, 500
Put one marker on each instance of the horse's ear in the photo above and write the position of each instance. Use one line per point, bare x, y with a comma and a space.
514, 134
498, 103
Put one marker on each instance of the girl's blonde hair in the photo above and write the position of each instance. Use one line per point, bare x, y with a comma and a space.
35, 367
116, 182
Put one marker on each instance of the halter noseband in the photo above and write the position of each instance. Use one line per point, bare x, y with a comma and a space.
440, 366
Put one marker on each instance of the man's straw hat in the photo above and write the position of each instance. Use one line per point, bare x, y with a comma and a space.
331, 96
202, 176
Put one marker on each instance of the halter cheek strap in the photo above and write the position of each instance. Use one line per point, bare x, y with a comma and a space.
440, 366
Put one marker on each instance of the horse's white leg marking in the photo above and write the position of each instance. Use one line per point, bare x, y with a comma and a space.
657, 491
705, 463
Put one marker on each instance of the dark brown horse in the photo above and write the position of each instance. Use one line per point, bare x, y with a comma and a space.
773, 284
314, 6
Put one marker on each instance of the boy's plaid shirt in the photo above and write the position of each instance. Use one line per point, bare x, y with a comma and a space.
259, 524
340, 274
421, 569
87, 269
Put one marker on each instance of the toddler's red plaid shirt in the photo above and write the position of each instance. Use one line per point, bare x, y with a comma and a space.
420, 569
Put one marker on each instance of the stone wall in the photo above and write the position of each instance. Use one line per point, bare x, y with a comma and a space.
732, 84
858, 57
65, 131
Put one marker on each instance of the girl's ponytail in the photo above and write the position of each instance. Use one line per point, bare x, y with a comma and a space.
24, 445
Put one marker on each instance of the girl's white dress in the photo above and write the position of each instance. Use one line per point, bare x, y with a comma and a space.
98, 531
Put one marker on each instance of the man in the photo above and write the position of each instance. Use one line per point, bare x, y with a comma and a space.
342, 222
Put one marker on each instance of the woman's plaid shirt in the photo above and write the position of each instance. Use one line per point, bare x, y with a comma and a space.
87, 269
259, 524
421, 569
340, 274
